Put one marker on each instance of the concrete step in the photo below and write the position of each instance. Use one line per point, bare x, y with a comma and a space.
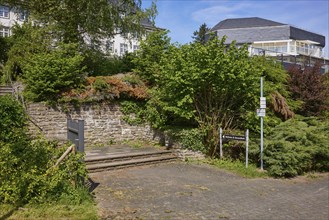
97, 164
124, 156
4, 90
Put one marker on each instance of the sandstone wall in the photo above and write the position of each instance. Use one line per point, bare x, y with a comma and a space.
103, 123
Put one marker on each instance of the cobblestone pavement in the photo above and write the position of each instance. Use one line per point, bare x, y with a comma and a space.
190, 191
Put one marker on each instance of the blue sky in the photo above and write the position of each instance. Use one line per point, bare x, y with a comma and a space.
183, 17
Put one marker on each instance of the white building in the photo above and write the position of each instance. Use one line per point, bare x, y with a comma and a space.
118, 45
9, 18
289, 44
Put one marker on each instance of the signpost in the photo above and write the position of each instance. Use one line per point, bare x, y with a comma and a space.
235, 138
261, 114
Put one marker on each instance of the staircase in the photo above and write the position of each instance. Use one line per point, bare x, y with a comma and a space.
128, 159
6, 90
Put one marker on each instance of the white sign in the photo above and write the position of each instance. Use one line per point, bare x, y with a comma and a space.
261, 112
262, 101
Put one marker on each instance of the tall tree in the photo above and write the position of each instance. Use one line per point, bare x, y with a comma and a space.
152, 50
82, 22
4, 48
27, 40
310, 87
201, 34
74, 20
210, 84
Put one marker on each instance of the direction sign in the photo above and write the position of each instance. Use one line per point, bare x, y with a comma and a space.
262, 101
234, 137
261, 112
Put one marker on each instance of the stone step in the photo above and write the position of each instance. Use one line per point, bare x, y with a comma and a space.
129, 162
124, 156
4, 90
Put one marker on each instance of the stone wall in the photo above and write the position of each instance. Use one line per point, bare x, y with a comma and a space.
103, 123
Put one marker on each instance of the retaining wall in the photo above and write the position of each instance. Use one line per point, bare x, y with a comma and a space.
103, 123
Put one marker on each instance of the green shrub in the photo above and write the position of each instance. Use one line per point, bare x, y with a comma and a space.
133, 80
134, 112
13, 119
47, 75
297, 146
27, 172
99, 64
188, 138
100, 85
192, 139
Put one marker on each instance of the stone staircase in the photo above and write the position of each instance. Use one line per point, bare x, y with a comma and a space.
117, 160
4, 90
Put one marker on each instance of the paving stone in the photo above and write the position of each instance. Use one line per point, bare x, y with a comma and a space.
187, 191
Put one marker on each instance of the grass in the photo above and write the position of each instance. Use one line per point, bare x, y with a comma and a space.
86, 210
237, 167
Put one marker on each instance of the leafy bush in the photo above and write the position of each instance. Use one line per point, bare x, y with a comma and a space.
99, 64
27, 172
188, 138
134, 112
297, 146
13, 120
48, 75
100, 84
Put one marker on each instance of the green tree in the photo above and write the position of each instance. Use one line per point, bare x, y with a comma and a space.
83, 22
200, 35
47, 75
72, 20
26, 41
309, 87
4, 48
280, 105
99, 65
212, 84
148, 58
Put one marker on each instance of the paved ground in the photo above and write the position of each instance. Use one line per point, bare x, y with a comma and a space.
188, 191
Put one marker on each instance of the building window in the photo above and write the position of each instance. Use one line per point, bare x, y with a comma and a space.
4, 31
4, 12
22, 15
109, 46
135, 35
136, 47
123, 48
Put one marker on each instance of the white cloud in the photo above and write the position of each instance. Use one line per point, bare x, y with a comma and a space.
216, 13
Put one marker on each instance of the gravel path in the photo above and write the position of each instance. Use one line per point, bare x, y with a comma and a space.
188, 191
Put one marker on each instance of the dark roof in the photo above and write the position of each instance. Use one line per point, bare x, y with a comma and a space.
146, 22
248, 30
245, 23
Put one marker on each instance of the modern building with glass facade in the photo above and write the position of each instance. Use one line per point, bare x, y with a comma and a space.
265, 37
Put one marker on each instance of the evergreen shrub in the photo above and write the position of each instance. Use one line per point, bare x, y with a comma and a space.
297, 146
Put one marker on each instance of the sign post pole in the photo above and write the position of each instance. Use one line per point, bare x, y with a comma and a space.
247, 145
261, 126
220, 143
